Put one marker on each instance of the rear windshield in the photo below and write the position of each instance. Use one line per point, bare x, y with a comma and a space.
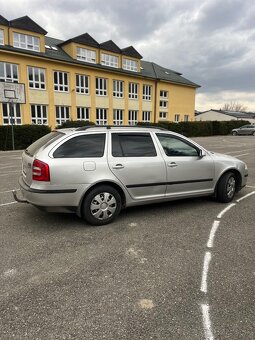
43, 141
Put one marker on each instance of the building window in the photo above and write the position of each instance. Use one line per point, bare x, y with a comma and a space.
84, 54
1, 37
36, 78
130, 65
146, 116
163, 94
27, 42
109, 60
186, 118
118, 86
83, 113
39, 114
9, 72
62, 114
101, 86
60, 81
101, 116
118, 117
132, 117
82, 84
162, 115
163, 104
177, 118
11, 114
146, 92
133, 91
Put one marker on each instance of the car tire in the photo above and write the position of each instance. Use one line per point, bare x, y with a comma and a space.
234, 133
253, 133
226, 188
101, 205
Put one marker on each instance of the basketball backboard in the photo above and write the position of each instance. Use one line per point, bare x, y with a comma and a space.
12, 92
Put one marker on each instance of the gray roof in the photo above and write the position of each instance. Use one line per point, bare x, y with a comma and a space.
130, 51
85, 39
235, 114
27, 24
110, 46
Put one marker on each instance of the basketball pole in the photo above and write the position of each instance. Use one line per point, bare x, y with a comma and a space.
11, 114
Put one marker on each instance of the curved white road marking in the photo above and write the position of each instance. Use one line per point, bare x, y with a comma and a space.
2, 205
250, 186
225, 210
207, 260
212, 233
207, 322
242, 198
242, 154
3, 192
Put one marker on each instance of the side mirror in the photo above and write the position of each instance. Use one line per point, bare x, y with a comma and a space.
201, 153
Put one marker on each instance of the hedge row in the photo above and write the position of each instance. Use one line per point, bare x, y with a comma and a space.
24, 135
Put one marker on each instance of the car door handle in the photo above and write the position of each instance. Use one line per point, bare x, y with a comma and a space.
172, 165
118, 166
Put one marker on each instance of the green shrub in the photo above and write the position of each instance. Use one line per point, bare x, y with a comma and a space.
74, 123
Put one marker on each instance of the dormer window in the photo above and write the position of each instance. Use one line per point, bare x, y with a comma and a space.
87, 55
130, 65
27, 42
109, 60
1, 37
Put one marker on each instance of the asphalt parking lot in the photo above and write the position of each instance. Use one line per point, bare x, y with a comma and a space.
179, 270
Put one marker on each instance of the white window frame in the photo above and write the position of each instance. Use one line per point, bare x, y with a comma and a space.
16, 114
109, 60
101, 86
61, 84
186, 118
4, 76
163, 104
130, 65
1, 37
162, 115
177, 118
132, 117
40, 114
84, 54
118, 88
133, 90
82, 84
83, 113
146, 117
38, 78
163, 94
26, 42
62, 114
147, 92
101, 116
118, 117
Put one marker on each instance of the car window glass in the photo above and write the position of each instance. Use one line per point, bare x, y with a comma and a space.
176, 147
90, 145
132, 145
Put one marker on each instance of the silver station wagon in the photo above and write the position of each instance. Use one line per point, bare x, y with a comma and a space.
98, 170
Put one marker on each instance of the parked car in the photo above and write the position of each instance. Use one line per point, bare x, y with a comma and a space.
244, 130
96, 171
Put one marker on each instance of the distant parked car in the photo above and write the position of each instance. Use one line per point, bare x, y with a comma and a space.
244, 130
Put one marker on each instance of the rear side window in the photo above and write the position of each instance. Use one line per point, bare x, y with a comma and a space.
43, 141
132, 145
86, 146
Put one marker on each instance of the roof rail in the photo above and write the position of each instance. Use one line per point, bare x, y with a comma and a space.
82, 128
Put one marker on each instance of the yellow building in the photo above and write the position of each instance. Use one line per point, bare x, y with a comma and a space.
81, 79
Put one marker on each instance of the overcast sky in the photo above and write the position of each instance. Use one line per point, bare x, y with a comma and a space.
211, 42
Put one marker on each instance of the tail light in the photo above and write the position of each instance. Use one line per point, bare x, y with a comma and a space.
40, 171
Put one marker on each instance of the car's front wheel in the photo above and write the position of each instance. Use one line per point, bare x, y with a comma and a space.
226, 187
234, 133
101, 205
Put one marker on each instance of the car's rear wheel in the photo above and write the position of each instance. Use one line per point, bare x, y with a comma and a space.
226, 187
102, 205
253, 133
234, 133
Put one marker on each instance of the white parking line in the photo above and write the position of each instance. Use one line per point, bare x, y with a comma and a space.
225, 210
3, 192
8, 166
243, 154
206, 322
242, 198
10, 172
2, 205
230, 152
212, 233
207, 260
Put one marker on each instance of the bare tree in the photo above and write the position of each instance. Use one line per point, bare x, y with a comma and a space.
232, 106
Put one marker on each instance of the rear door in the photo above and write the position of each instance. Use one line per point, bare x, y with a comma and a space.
137, 163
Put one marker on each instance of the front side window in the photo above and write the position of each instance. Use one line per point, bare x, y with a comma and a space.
146, 92
39, 114
9, 72
86, 146
130, 65
109, 60
101, 116
36, 78
87, 55
83, 113
11, 114
132, 117
101, 87
118, 88
175, 147
62, 114
133, 90
61, 81
27, 42
132, 145
118, 117
82, 84
1, 37
146, 116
